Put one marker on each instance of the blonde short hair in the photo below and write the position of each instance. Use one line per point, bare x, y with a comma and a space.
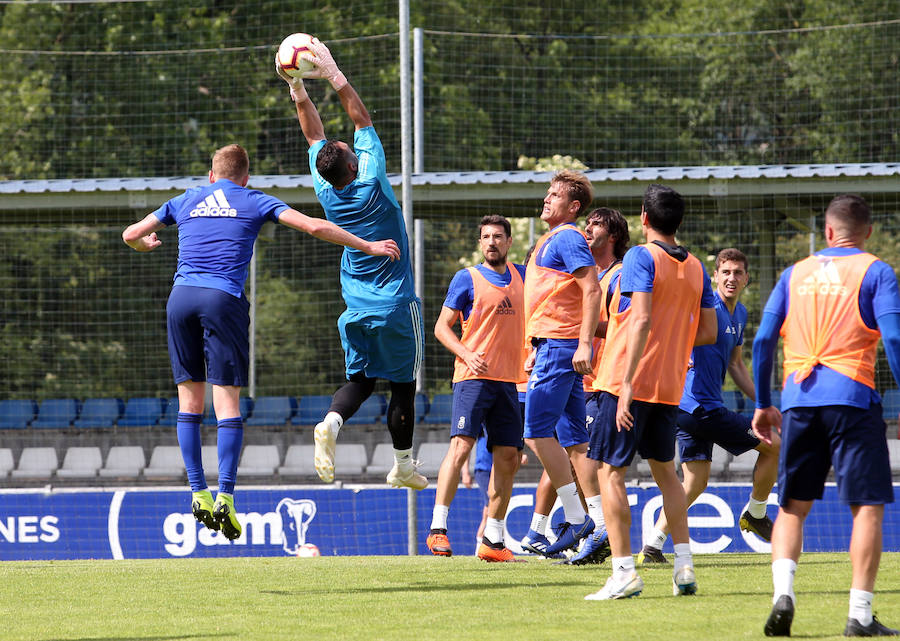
577, 186
231, 161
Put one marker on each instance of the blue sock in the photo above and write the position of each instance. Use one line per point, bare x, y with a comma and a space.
230, 440
188, 430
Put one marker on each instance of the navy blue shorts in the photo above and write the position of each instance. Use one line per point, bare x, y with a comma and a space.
652, 435
697, 432
209, 336
852, 440
384, 343
554, 404
489, 405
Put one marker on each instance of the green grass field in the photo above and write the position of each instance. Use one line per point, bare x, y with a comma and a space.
372, 598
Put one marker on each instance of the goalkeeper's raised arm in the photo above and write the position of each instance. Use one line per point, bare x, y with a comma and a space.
326, 68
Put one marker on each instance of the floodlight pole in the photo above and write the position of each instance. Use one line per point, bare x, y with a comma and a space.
406, 168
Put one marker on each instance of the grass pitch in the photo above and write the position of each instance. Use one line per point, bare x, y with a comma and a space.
371, 598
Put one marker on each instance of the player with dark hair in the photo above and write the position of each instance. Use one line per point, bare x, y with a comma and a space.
381, 330
703, 419
830, 308
208, 315
642, 371
608, 238
562, 299
489, 301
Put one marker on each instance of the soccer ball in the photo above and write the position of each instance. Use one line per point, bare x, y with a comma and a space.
307, 550
289, 54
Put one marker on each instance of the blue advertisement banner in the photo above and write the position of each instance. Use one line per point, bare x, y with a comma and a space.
359, 520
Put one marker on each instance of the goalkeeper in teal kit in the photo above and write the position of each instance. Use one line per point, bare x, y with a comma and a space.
381, 330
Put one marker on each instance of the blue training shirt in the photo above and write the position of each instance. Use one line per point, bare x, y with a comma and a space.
461, 292
367, 208
709, 363
878, 296
217, 225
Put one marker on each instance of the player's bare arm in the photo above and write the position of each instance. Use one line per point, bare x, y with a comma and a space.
708, 329
310, 121
586, 277
443, 331
740, 374
354, 107
326, 230
638, 333
141, 236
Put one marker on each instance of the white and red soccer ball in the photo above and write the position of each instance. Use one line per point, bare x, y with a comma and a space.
308, 550
289, 54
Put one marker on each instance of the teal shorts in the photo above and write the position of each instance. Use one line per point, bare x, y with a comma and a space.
384, 343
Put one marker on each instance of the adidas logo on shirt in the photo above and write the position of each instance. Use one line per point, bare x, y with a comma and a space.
825, 281
506, 306
214, 205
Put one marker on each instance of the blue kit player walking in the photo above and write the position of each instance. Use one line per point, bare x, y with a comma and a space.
381, 330
831, 308
208, 315
703, 419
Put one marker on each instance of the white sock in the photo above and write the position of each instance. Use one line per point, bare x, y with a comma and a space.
568, 495
657, 539
334, 421
493, 530
403, 457
439, 517
861, 606
783, 571
595, 511
756, 508
683, 556
622, 565
539, 523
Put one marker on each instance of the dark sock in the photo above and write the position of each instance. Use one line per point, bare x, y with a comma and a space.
188, 431
230, 438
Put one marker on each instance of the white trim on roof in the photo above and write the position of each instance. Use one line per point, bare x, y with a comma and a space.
717, 181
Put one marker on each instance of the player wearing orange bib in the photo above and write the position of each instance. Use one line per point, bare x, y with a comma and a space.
645, 359
607, 235
490, 301
831, 309
562, 300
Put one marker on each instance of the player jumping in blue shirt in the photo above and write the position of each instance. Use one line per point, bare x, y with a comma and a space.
381, 330
208, 315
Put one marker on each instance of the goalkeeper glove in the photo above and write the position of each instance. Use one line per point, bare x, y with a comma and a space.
298, 91
325, 66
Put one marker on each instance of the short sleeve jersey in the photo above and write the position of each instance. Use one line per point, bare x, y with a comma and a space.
709, 363
217, 225
567, 252
878, 296
367, 208
461, 292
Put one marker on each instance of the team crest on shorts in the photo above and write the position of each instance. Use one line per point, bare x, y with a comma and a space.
461, 423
